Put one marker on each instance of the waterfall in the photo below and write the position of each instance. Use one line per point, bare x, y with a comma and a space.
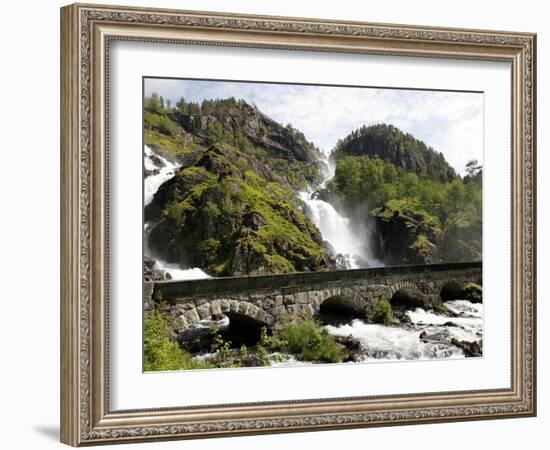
349, 243
333, 227
157, 171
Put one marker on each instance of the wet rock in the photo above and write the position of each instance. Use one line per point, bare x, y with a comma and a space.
254, 220
473, 292
149, 273
402, 317
407, 236
349, 342
342, 262
471, 349
148, 262
156, 160
148, 173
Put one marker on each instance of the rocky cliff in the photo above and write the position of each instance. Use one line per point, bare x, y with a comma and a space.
232, 207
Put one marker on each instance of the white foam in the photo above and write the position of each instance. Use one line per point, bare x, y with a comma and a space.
166, 170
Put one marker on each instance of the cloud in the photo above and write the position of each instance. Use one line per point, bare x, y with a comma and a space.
450, 122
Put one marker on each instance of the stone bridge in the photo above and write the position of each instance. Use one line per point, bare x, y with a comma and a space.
264, 299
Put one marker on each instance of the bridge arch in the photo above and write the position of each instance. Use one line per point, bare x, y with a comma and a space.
346, 302
405, 285
237, 309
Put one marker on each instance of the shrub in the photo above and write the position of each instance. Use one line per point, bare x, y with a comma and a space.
309, 341
383, 314
160, 351
473, 292
440, 308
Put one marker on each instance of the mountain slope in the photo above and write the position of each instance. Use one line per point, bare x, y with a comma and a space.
232, 208
393, 146
421, 210
185, 131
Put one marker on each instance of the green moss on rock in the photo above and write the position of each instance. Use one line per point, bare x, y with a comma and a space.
473, 292
225, 218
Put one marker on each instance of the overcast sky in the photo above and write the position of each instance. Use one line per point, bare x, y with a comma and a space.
450, 122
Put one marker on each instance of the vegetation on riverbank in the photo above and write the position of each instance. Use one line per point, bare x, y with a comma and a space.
306, 340
160, 351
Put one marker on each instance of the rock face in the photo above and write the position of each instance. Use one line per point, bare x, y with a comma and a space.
152, 274
187, 131
232, 208
406, 235
247, 122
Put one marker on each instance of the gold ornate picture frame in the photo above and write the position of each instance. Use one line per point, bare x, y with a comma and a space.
87, 31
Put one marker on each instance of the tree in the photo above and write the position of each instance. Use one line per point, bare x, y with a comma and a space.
473, 169
155, 101
193, 108
181, 105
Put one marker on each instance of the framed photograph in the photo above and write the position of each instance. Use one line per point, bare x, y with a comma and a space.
276, 224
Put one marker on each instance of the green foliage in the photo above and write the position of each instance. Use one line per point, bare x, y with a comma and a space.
309, 341
171, 145
305, 338
421, 248
215, 132
383, 313
440, 308
378, 165
454, 206
473, 292
162, 132
395, 147
160, 352
204, 213
223, 354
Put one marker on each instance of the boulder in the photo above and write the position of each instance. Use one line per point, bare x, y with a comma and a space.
471, 349
473, 292
407, 235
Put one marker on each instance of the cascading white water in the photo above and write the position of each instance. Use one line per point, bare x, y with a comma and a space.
164, 171
161, 171
381, 342
177, 273
337, 230
333, 227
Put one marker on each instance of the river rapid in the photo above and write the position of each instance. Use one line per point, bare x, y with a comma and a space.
427, 335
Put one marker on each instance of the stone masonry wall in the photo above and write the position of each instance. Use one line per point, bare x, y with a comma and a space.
265, 298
